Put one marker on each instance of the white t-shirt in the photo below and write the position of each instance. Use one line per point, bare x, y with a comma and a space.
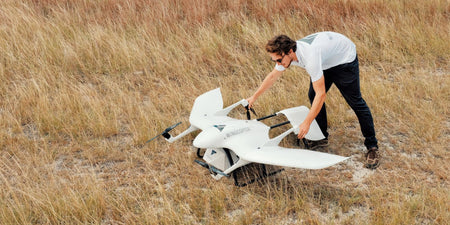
321, 51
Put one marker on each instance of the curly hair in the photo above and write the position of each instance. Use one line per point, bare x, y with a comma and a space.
281, 44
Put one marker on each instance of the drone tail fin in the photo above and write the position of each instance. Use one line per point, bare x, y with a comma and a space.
296, 116
207, 104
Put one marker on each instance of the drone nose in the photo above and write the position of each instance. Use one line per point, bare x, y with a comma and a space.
209, 138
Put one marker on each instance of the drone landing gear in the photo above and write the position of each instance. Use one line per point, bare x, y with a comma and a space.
212, 169
243, 175
252, 173
199, 153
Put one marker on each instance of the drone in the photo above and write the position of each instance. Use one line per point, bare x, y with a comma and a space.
229, 144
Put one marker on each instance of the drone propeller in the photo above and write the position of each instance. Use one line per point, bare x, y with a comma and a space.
248, 112
165, 133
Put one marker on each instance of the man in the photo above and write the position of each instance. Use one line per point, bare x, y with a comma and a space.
329, 58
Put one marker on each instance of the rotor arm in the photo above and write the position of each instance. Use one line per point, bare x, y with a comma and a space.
171, 139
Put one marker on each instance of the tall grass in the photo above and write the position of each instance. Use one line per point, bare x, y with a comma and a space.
84, 84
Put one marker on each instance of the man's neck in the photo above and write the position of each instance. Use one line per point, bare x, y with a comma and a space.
294, 57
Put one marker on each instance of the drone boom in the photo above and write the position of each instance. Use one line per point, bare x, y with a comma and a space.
165, 133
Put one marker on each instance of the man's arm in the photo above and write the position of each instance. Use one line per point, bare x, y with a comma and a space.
266, 84
319, 99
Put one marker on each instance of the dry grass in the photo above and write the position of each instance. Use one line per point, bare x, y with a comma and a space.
85, 83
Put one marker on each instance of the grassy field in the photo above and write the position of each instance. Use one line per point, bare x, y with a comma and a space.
84, 83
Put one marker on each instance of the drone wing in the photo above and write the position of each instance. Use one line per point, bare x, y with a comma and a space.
298, 158
205, 106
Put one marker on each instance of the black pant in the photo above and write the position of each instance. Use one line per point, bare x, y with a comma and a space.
346, 79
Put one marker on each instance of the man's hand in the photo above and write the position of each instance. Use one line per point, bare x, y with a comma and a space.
303, 129
250, 101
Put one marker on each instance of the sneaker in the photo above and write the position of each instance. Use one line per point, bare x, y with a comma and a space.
372, 158
309, 144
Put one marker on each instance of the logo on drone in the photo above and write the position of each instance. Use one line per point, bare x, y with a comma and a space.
238, 131
219, 127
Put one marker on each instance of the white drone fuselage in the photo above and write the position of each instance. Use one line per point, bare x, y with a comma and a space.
231, 134
232, 143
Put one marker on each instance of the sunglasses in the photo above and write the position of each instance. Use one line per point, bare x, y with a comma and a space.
279, 60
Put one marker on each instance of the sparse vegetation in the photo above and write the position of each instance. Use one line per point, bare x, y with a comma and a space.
84, 84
